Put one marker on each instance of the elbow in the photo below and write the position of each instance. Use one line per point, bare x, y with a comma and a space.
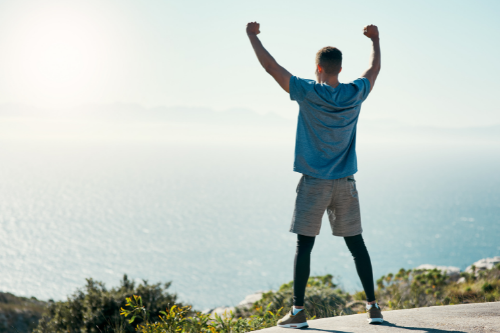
269, 68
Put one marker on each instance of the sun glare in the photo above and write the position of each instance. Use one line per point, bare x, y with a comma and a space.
58, 56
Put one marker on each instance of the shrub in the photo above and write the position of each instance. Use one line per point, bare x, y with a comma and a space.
177, 319
323, 299
95, 309
418, 288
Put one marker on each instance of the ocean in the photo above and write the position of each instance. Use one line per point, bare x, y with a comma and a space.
214, 218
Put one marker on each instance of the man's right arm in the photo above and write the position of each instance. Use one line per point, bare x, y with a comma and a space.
371, 31
280, 74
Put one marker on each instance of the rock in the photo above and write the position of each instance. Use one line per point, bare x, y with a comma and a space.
244, 304
483, 264
222, 311
250, 299
461, 280
451, 271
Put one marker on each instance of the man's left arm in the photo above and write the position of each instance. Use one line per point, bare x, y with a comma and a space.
281, 75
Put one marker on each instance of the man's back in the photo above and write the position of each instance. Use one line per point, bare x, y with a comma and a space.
326, 130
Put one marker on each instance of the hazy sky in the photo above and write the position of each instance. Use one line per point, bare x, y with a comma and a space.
439, 58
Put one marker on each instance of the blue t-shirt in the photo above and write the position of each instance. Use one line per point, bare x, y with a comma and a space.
326, 131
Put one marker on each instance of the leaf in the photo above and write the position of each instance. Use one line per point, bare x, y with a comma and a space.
131, 320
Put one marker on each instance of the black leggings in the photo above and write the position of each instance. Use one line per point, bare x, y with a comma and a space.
303, 260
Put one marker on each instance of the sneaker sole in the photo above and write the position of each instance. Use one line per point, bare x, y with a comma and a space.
375, 320
301, 325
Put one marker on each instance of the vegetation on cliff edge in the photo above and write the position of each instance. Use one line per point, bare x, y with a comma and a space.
149, 308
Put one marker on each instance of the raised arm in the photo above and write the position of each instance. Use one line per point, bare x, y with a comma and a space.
281, 75
371, 31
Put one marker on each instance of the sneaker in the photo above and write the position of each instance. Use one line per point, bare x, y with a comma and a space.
375, 315
291, 321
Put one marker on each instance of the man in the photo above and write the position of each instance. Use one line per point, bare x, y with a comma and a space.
325, 155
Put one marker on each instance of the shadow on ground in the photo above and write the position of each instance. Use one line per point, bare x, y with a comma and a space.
430, 330
388, 324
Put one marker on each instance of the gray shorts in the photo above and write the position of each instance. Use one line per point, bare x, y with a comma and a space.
338, 197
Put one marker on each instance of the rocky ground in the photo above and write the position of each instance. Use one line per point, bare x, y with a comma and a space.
19, 314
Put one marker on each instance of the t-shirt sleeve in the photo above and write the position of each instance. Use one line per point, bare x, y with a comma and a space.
299, 88
363, 88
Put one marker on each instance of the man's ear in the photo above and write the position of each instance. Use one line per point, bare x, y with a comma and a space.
320, 70
340, 69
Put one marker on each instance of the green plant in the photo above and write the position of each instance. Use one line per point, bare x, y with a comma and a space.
322, 299
138, 310
175, 319
96, 309
419, 288
198, 323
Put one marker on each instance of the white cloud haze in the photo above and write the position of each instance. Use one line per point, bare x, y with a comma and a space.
439, 64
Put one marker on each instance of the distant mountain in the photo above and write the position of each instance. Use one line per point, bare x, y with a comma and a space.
394, 132
134, 113
126, 122
119, 121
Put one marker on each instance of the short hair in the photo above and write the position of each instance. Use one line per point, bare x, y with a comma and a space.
330, 59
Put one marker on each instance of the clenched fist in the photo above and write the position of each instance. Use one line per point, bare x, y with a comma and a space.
371, 31
253, 28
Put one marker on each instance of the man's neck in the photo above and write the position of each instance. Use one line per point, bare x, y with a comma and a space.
332, 81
